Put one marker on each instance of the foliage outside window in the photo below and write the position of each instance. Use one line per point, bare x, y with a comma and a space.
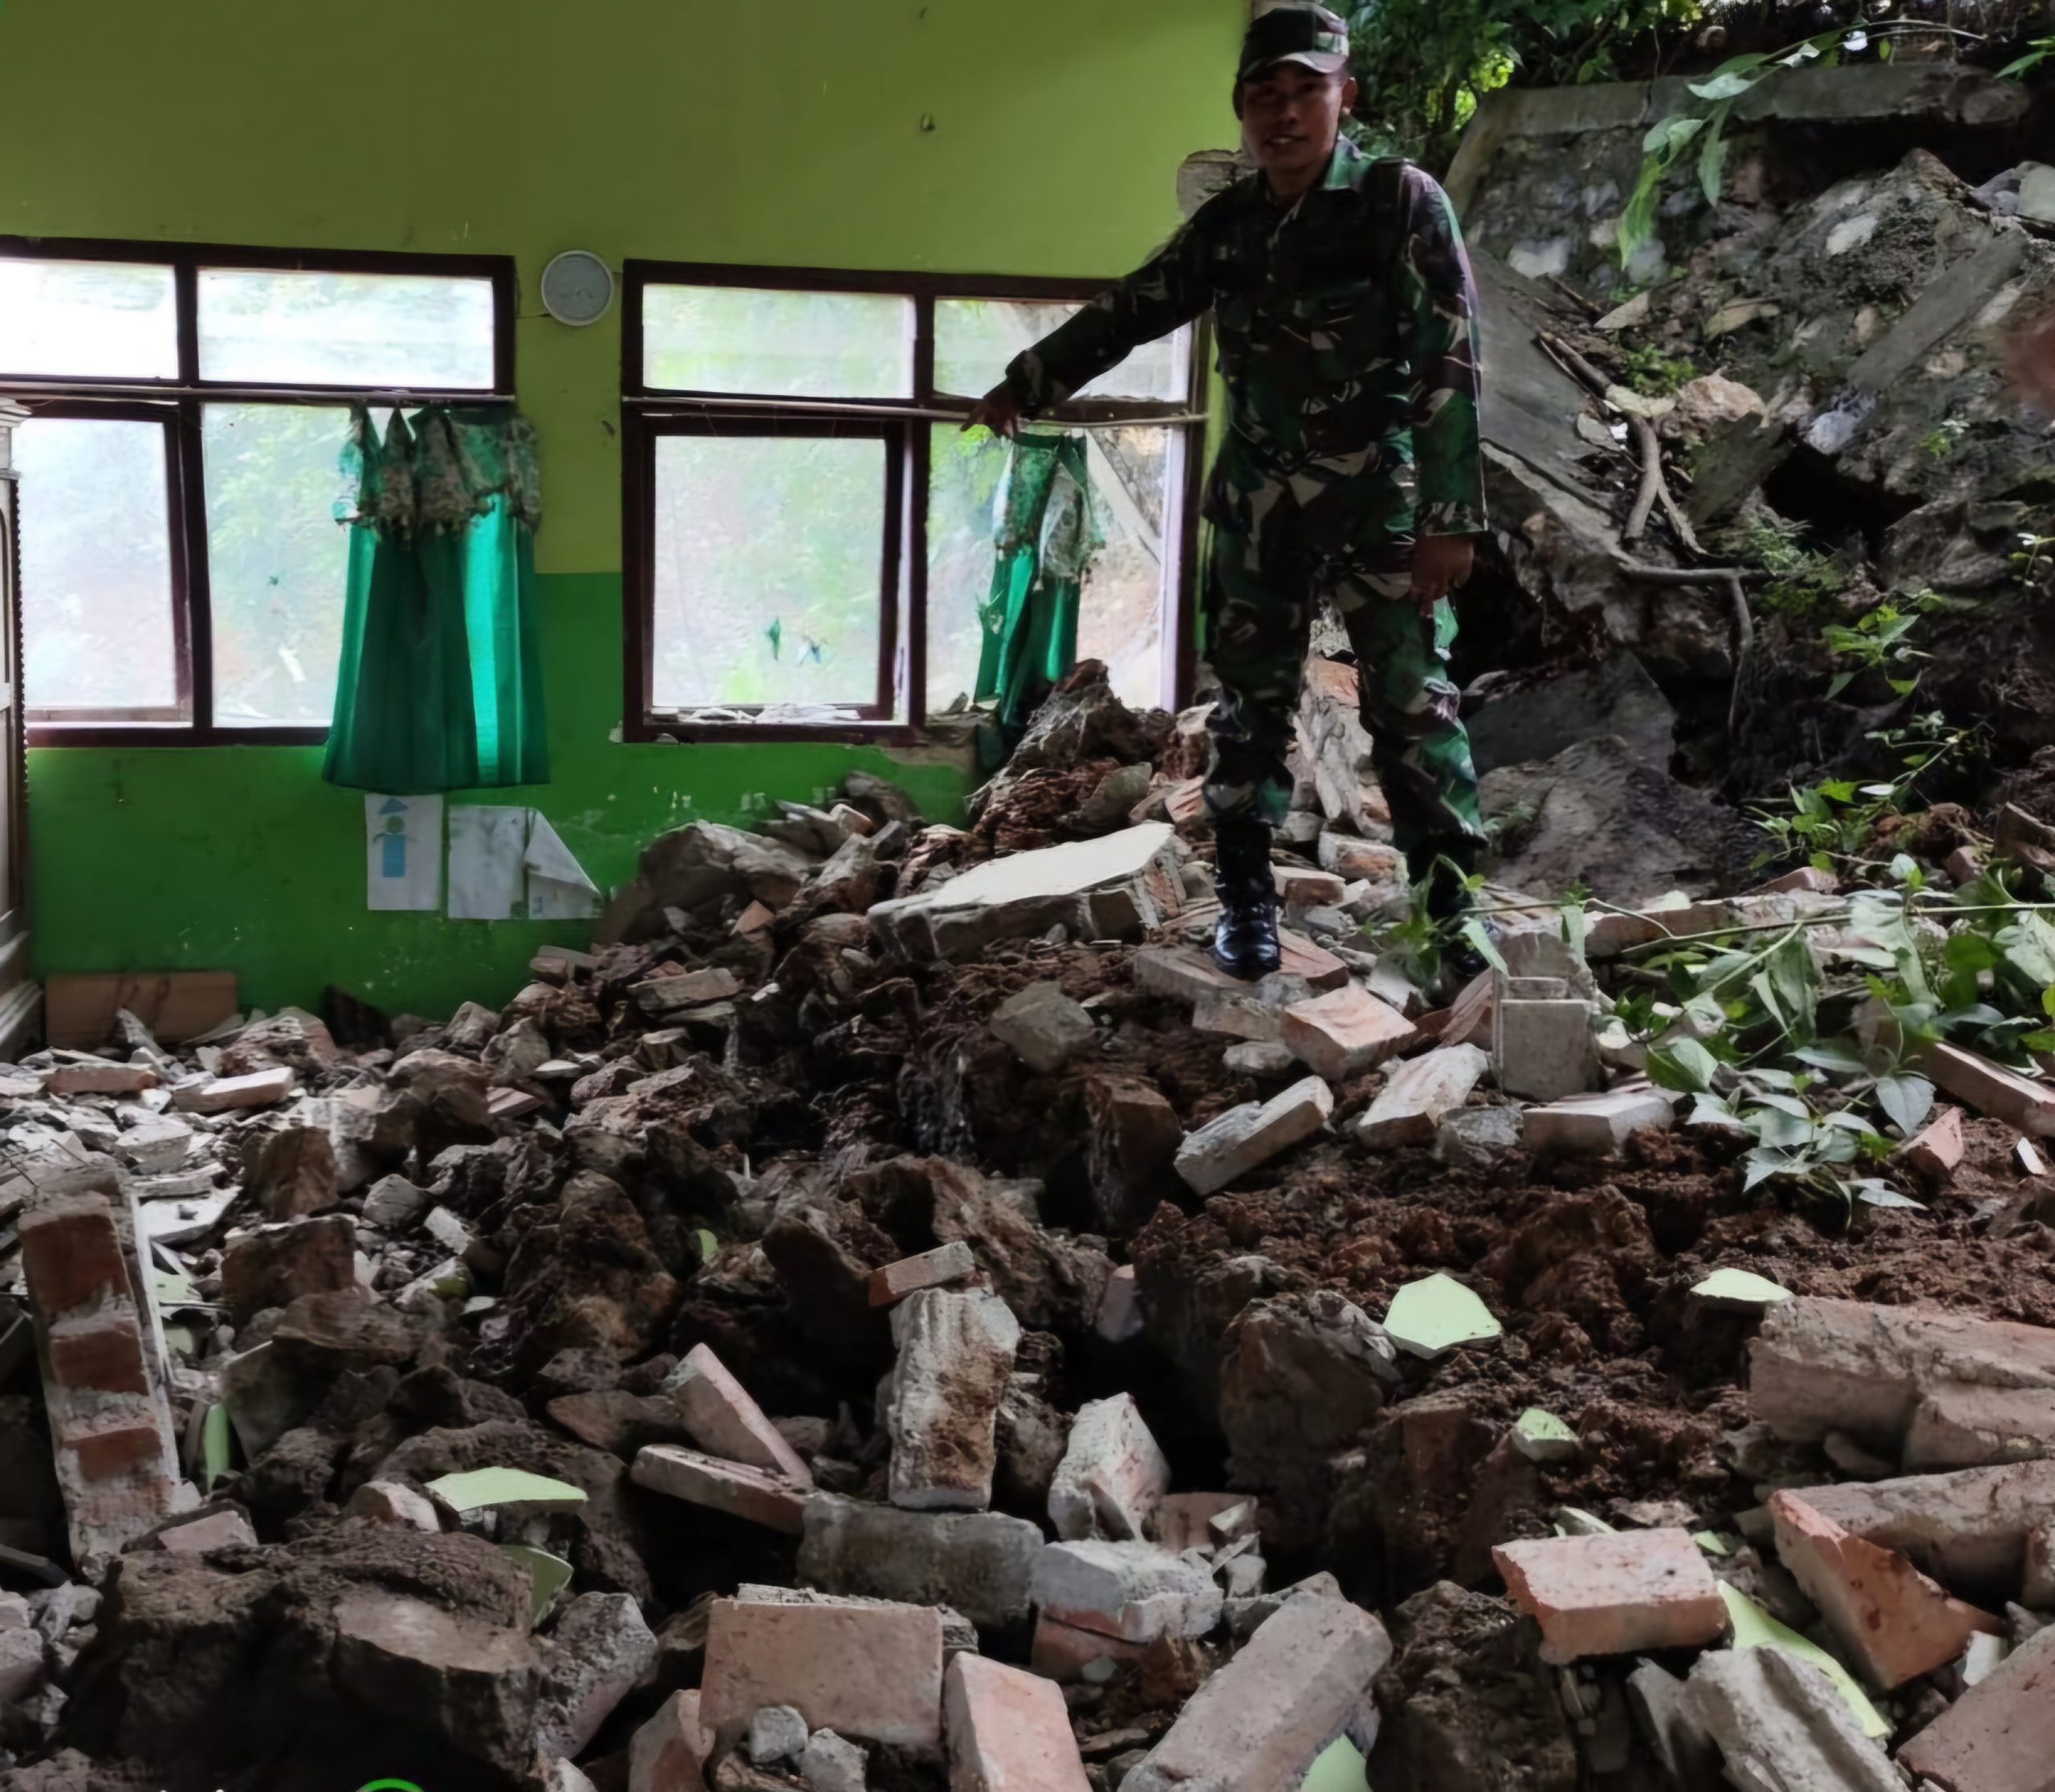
809, 531
182, 567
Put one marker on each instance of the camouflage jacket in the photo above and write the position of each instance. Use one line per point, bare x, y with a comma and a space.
1347, 326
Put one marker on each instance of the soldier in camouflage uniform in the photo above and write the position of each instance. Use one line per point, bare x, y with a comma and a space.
1346, 318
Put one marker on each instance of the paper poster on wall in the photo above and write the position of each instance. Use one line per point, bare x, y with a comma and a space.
403, 852
487, 880
558, 888
505, 863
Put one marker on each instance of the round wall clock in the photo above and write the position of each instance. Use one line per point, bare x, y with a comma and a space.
577, 287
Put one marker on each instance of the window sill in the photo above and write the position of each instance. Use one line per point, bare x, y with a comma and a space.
685, 732
168, 734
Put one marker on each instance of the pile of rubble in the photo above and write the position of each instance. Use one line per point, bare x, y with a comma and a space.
894, 1310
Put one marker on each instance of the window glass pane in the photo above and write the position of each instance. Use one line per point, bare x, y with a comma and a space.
277, 560
975, 338
768, 557
778, 345
1135, 475
96, 545
288, 327
88, 319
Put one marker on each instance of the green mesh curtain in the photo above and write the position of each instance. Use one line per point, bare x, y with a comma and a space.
441, 684
1045, 535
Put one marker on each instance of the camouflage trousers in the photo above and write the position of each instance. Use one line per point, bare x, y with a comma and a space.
1259, 609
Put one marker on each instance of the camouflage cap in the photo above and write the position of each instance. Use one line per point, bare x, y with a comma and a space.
1309, 35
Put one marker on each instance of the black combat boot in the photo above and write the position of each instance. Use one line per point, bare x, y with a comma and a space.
1245, 943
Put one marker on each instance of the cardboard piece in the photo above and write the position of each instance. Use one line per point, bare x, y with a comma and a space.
79, 1010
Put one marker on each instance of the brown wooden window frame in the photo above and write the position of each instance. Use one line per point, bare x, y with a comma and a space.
178, 403
899, 713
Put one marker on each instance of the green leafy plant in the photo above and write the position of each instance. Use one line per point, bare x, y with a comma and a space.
1878, 643
2037, 53
1804, 581
1942, 441
1656, 375
1834, 820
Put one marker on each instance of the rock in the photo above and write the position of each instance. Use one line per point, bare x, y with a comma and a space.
1250, 1135
936, 1269
1601, 814
1408, 1109
22, 1666
1267, 1060
956, 1351
777, 1732
2037, 1578
228, 1529
395, 1504
726, 1422
226, 1094
1967, 1530
1301, 1376
1345, 1032
762, 1498
295, 1171
1134, 1591
1819, 1365
1894, 1621
1031, 1436
1615, 698
1264, 1719
669, 1752
272, 1266
1545, 1050
393, 1203
1009, 1731
597, 1650
91, 1076
1614, 1595
872, 1670
1779, 1722
662, 997
1133, 1146
1470, 1138
1999, 1736
1112, 1474
700, 864
1120, 1319
1595, 1125
981, 1564
1116, 887
1043, 1028
1352, 858
618, 1422
831, 1763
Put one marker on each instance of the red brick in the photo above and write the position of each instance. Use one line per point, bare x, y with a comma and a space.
103, 1354
1614, 1595
72, 1254
1009, 1731
115, 1443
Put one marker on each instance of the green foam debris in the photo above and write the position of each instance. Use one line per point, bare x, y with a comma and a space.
1435, 1315
479, 1489
1338, 1769
1741, 1288
1542, 1437
548, 1575
1711, 1542
1754, 1628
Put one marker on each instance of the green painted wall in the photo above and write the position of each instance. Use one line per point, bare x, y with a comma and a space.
962, 136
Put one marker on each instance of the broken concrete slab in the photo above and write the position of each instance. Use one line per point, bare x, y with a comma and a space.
1779, 1722
1345, 1032
1009, 1731
227, 1094
1545, 1051
1264, 1719
1969, 1529
1244, 1138
1408, 1109
1043, 1027
597, 1650
1116, 887
1615, 696
777, 1732
1595, 1126
873, 1670
1470, 1138
1999, 1736
724, 1421
1893, 1620
1820, 1365
1962, 1425
731, 1487
1134, 1591
661, 996
831, 1763
1112, 1475
956, 1351
982, 1564
1616, 1593
91, 1076
948, 1263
